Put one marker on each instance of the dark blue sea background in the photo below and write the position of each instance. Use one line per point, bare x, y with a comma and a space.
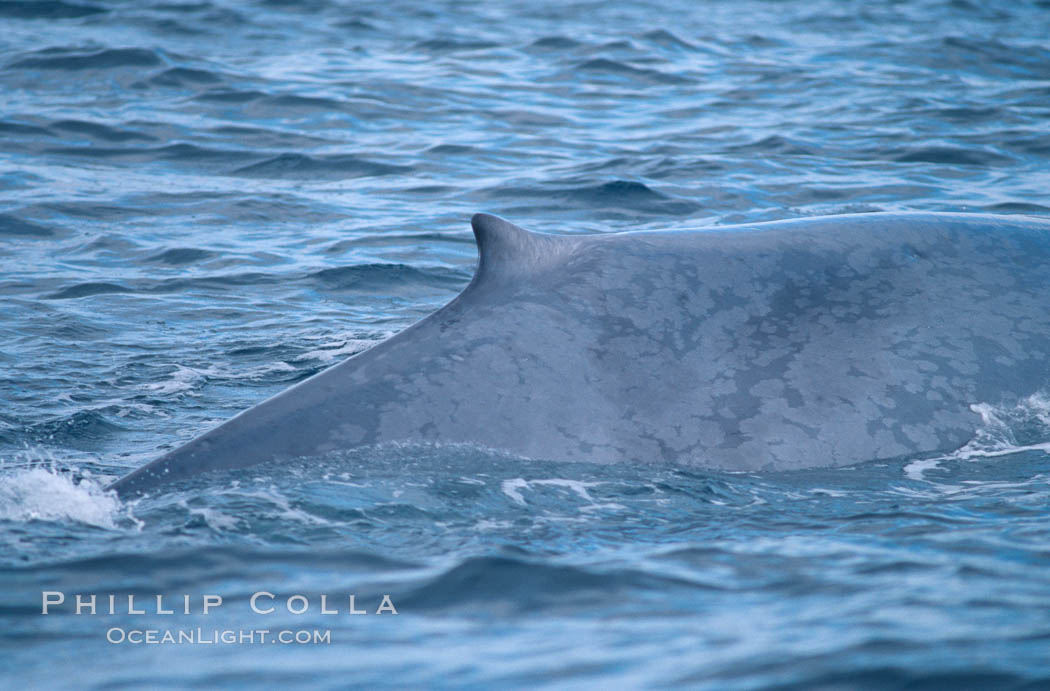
204, 202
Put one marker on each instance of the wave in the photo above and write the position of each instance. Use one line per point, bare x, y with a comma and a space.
23, 130
320, 167
183, 77
512, 585
614, 194
953, 155
667, 40
110, 58
555, 43
1018, 208
14, 226
98, 131
615, 68
444, 45
81, 429
177, 256
364, 278
381, 277
47, 9
181, 151
88, 289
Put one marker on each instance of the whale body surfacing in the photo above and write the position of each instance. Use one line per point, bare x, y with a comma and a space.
813, 342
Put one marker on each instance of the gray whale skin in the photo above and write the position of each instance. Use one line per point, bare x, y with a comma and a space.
791, 344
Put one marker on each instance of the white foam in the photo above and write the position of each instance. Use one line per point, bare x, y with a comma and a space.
213, 518
182, 379
285, 508
1005, 451
330, 351
42, 494
828, 492
610, 506
486, 524
188, 379
577, 486
996, 436
916, 469
512, 488
343, 481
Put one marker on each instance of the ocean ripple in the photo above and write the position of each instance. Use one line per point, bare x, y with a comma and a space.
207, 201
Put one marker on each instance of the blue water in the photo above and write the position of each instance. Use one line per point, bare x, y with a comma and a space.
204, 202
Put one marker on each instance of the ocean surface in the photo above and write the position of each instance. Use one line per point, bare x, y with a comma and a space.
204, 202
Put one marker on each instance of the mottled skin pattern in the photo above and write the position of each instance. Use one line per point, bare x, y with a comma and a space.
792, 344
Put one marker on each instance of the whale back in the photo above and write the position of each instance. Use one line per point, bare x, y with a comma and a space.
782, 345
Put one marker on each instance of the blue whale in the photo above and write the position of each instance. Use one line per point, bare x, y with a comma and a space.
792, 344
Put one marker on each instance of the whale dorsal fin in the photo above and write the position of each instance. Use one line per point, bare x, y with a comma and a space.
505, 249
